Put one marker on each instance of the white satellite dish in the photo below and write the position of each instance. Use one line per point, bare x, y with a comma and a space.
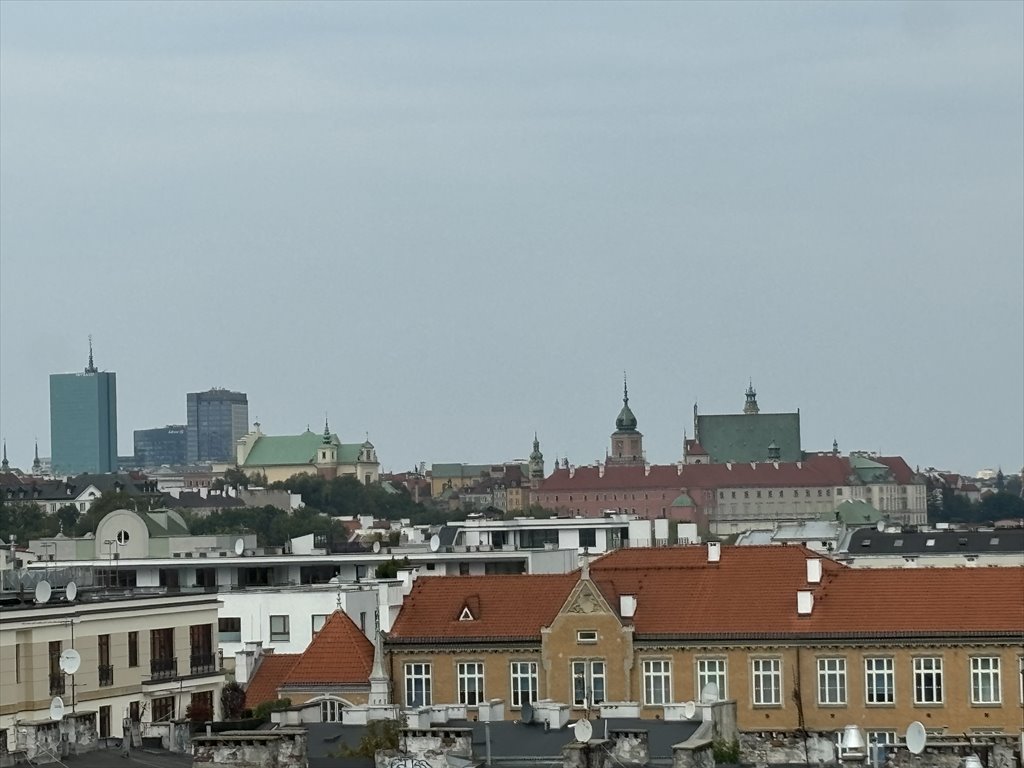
880, 526
43, 592
71, 591
917, 737
239, 546
435, 543
689, 709
583, 730
709, 693
57, 708
69, 661
376, 546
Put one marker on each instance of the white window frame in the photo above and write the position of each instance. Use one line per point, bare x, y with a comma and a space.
331, 710
317, 621
713, 670
524, 678
832, 681
766, 681
417, 684
593, 674
657, 681
280, 635
470, 676
986, 668
885, 737
879, 669
928, 684
586, 636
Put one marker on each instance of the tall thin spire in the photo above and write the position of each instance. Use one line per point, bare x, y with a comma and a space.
327, 431
37, 465
5, 465
751, 405
91, 368
625, 389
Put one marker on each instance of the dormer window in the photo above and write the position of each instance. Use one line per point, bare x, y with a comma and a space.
586, 636
466, 615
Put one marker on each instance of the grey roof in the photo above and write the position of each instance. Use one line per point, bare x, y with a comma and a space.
868, 541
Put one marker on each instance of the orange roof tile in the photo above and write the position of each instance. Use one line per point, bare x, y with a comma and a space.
265, 681
339, 654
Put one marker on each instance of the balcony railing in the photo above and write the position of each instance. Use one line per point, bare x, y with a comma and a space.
163, 669
106, 672
57, 684
202, 663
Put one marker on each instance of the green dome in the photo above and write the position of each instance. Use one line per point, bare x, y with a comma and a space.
626, 422
683, 500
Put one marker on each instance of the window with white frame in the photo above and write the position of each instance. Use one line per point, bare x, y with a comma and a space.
985, 683
330, 711
928, 680
279, 629
712, 671
588, 678
657, 681
832, 681
523, 675
881, 737
471, 682
317, 621
879, 680
417, 684
767, 679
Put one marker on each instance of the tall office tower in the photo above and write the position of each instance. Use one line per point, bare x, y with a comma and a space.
216, 420
83, 421
159, 446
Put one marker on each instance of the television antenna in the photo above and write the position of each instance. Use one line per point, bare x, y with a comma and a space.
57, 708
917, 737
583, 730
43, 592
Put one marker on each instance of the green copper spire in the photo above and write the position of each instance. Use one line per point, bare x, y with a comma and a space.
327, 432
5, 465
626, 422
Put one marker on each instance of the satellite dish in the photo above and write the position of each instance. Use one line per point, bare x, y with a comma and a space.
709, 693
917, 737
69, 661
435, 543
880, 526
689, 709
527, 714
43, 592
239, 546
376, 547
583, 730
57, 708
71, 591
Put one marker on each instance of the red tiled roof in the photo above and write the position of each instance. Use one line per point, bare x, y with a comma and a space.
511, 607
340, 653
900, 469
750, 592
694, 448
267, 678
614, 476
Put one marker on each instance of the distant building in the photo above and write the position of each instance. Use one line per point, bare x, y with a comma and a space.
83, 421
217, 419
161, 446
744, 437
280, 457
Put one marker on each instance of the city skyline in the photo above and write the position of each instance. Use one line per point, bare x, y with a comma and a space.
450, 226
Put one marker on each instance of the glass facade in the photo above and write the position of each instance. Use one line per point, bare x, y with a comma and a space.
160, 446
83, 422
216, 420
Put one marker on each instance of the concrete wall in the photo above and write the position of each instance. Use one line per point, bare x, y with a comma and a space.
284, 748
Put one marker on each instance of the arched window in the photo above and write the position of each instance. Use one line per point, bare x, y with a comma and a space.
330, 710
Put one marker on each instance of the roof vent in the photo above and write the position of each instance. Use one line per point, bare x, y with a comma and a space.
814, 570
714, 551
627, 606
804, 602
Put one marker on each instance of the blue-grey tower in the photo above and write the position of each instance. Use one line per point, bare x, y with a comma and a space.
83, 421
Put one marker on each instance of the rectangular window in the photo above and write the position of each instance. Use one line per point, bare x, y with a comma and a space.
417, 685
657, 681
881, 737
163, 709
523, 675
879, 680
105, 722
588, 678
588, 537
318, 621
56, 674
133, 649
229, 629
832, 681
471, 682
280, 629
985, 684
104, 668
17, 662
928, 680
586, 636
767, 678
712, 671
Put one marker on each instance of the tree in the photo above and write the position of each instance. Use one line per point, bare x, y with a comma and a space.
389, 570
232, 700
379, 735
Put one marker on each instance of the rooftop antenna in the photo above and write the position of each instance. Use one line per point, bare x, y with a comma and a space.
91, 368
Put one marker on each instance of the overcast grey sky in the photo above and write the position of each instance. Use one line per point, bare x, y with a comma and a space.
450, 225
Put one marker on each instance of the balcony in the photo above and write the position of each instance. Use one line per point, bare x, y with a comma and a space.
57, 684
163, 669
202, 663
106, 674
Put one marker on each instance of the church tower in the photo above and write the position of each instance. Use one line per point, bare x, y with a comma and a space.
327, 454
751, 405
627, 443
536, 465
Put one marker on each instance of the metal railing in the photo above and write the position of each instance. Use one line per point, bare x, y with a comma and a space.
163, 669
202, 663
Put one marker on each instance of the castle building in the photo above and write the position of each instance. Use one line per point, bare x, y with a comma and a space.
744, 437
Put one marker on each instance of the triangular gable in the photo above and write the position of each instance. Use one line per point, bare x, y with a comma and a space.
586, 598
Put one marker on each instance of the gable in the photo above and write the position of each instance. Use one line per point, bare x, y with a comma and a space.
586, 599
745, 437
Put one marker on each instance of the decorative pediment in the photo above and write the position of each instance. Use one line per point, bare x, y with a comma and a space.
586, 599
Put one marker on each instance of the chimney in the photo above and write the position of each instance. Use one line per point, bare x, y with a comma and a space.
627, 606
814, 570
804, 602
714, 551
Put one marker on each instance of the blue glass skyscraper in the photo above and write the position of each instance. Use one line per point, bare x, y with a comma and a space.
83, 421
